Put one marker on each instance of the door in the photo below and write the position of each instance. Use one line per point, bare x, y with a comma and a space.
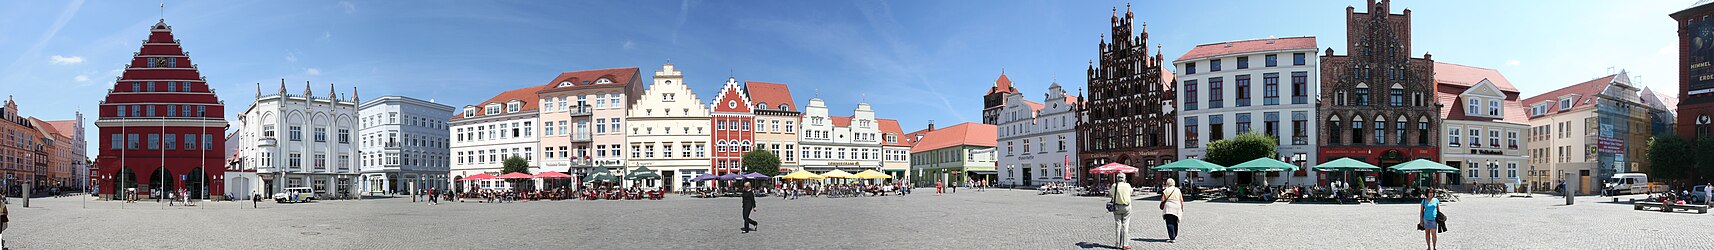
1028, 177
1583, 182
668, 179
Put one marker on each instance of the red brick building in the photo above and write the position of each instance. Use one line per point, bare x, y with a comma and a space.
1128, 117
1695, 70
160, 124
1378, 103
733, 121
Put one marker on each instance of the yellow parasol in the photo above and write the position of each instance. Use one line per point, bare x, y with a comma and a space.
872, 174
840, 174
802, 175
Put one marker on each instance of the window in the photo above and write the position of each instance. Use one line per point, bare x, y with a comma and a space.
186, 87
117, 141
1565, 103
493, 109
1493, 170
268, 131
320, 134
1494, 138
1357, 130
1190, 68
121, 111
131, 141
1512, 139
1243, 82
1396, 97
1243, 62
1243, 123
1512, 170
1472, 169
1189, 95
1362, 96
151, 111
613, 123
296, 160
1380, 131
1271, 89
1299, 128
1474, 107
296, 133
344, 136
513, 107
1399, 130
1214, 65
1297, 59
1216, 95
1271, 125
171, 87
136, 87
1333, 131
1452, 137
170, 142
1494, 108
1271, 60
1475, 138
1216, 130
154, 141
1422, 131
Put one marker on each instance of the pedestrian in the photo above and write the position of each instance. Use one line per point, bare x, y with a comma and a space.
749, 206
1121, 208
431, 198
1707, 193
1429, 212
254, 198
5, 219
1172, 208
939, 188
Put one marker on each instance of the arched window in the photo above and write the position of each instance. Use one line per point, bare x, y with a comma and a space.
761, 105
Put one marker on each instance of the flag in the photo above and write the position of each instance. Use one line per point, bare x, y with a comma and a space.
1067, 167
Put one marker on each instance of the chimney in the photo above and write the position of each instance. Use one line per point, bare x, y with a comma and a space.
930, 125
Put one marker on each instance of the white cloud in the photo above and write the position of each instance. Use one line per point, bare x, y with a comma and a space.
349, 7
63, 60
291, 57
1514, 62
312, 71
81, 78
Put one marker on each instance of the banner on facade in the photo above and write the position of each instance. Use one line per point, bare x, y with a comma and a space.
1067, 167
1611, 145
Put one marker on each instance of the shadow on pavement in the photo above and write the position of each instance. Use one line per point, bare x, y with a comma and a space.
1087, 245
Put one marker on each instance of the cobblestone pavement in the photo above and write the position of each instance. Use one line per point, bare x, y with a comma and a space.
996, 219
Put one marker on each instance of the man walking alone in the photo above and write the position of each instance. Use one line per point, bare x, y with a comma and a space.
749, 206
1121, 209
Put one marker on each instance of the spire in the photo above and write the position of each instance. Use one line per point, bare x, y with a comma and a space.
1128, 11
307, 93
258, 90
354, 95
282, 86
331, 95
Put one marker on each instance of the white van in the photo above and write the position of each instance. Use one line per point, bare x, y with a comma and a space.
1632, 183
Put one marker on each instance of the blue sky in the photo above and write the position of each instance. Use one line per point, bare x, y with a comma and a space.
914, 61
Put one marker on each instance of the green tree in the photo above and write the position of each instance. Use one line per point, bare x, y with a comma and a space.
515, 164
1670, 157
762, 161
1242, 148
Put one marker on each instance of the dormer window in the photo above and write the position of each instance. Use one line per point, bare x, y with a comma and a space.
564, 84
1474, 107
1565, 103
784, 107
761, 105
1494, 108
514, 106
492, 109
469, 111
603, 81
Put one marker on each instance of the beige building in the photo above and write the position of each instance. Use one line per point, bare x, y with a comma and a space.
668, 131
1484, 126
777, 120
1589, 131
583, 115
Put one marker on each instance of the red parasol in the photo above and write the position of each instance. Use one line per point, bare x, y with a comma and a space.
1113, 168
552, 175
515, 175
477, 177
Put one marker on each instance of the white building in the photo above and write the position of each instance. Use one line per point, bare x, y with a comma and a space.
1485, 124
1262, 85
301, 141
668, 131
404, 144
850, 143
1037, 141
485, 134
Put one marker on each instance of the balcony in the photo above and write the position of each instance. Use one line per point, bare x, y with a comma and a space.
582, 110
581, 137
267, 142
1299, 140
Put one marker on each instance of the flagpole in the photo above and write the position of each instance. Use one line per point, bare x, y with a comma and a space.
163, 169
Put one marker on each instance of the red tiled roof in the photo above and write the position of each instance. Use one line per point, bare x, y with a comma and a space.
772, 94
1072, 99
585, 78
69, 126
45, 126
1002, 85
891, 127
1248, 46
526, 95
1167, 78
1034, 107
1584, 91
974, 134
841, 121
1455, 110
1461, 75
911, 138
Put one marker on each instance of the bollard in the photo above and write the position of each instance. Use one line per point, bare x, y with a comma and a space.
1569, 185
26, 196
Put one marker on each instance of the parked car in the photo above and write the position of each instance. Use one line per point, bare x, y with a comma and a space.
295, 195
1697, 194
